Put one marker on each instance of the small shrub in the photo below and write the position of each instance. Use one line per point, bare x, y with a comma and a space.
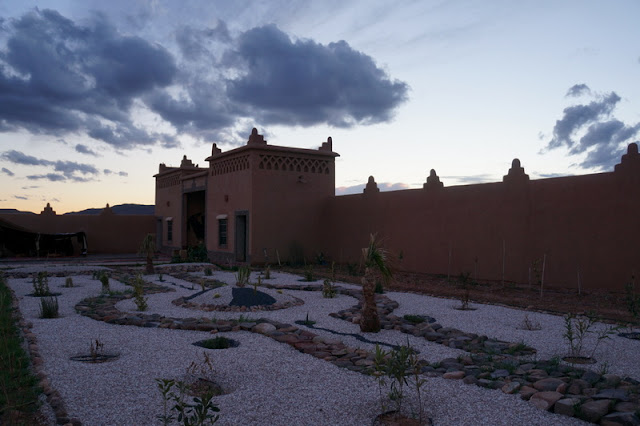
219, 342
353, 269
267, 272
216, 296
160, 278
197, 254
104, 279
307, 321
328, 290
379, 288
279, 291
49, 307
308, 273
577, 328
41, 285
256, 284
208, 272
242, 276
528, 324
68, 282
414, 319
138, 294
95, 349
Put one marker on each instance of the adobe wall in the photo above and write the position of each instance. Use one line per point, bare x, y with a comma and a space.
106, 232
584, 226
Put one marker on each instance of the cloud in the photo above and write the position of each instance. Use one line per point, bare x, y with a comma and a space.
21, 197
83, 149
67, 168
578, 90
7, 171
383, 186
61, 77
590, 128
53, 177
110, 172
30, 187
305, 83
123, 174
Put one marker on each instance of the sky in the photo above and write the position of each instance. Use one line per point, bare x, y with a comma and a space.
94, 94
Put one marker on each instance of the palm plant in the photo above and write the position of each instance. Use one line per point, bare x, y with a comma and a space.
148, 248
376, 264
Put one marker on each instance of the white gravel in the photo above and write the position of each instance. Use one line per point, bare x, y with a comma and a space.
271, 383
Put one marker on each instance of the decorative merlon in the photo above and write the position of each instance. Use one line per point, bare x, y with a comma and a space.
516, 173
186, 163
372, 186
433, 181
630, 160
215, 150
48, 211
327, 146
255, 138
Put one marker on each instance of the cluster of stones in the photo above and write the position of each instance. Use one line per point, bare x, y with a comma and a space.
208, 307
53, 397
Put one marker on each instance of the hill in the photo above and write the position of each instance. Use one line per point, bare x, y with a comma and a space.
136, 209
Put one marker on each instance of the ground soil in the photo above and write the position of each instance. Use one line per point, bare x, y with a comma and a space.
608, 306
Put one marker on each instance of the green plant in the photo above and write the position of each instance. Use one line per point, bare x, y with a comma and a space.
328, 290
530, 325
68, 282
49, 307
279, 291
242, 276
198, 413
414, 319
398, 365
41, 285
308, 273
464, 282
267, 272
160, 278
353, 269
165, 386
307, 321
95, 349
218, 342
197, 254
148, 249
376, 267
256, 284
138, 294
208, 272
577, 328
216, 296
518, 347
18, 385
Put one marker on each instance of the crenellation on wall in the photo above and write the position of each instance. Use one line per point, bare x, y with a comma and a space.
433, 181
371, 187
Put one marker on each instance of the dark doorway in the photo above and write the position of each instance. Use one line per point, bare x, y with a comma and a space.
241, 237
195, 218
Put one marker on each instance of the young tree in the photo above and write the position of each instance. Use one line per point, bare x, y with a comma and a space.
376, 264
148, 249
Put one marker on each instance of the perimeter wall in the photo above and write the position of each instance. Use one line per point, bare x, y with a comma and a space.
584, 229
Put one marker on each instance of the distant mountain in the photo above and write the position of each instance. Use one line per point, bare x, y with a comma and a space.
141, 209
14, 211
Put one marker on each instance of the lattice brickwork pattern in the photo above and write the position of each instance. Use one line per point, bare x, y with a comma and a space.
231, 165
168, 181
293, 164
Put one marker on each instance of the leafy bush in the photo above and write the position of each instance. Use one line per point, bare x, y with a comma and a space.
308, 273
242, 276
219, 342
197, 254
68, 282
267, 273
103, 277
328, 290
49, 307
138, 294
41, 285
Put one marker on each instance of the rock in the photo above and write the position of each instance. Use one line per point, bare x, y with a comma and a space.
454, 375
627, 406
511, 387
566, 406
611, 380
499, 374
620, 419
264, 328
620, 394
590, 376
548, 384
545, 400
470, 380
526, 392
593, 411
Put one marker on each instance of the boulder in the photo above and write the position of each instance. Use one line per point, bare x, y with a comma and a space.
545, 400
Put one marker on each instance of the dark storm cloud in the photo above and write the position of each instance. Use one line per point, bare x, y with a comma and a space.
67, 168
578, 90
83, 149
55, 74
590, 128
7, 171
305, 83
59, 77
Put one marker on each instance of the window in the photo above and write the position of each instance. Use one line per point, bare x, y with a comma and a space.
170, 230
222, 232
